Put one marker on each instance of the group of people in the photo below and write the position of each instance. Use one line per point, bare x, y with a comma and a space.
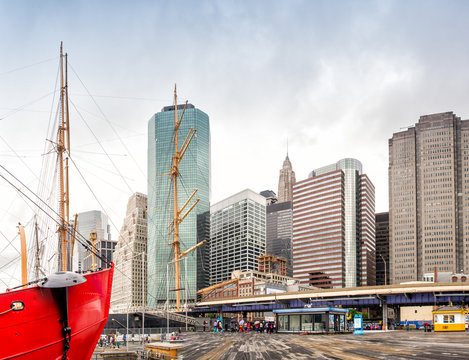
242, 326
109, 341
259, 326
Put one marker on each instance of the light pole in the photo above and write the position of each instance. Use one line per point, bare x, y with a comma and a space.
385, 267
143, 295
127, 332
167, 299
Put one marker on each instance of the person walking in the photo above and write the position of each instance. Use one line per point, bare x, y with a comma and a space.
205, 324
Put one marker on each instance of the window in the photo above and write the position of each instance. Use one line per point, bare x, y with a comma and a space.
294, 322
307, 322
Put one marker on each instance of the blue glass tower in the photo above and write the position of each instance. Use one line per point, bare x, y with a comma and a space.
194, 172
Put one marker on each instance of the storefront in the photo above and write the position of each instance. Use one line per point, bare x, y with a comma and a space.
450, 318
312, 320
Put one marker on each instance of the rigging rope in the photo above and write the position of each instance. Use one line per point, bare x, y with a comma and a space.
14, 111
107, 120
81, 239
27, 66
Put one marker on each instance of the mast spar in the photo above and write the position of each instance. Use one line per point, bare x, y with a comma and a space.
177, 219
63, 148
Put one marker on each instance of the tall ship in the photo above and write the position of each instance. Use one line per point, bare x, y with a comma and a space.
60, 316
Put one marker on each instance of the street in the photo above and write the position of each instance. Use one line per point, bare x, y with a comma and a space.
371, 345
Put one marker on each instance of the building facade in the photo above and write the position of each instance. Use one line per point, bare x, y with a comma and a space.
382, 248
128, 289
428, 198
87, 222
285, 182
194, 172
334, 227
237, 234
279, 232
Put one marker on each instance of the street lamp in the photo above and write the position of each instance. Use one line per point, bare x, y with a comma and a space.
385, 267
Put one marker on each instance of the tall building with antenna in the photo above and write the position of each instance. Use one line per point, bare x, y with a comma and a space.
285, 182
194, 173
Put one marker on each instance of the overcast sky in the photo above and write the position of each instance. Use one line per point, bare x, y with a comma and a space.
335, 78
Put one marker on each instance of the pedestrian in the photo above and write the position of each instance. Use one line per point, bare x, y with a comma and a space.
205, 324
407, 325
215, 324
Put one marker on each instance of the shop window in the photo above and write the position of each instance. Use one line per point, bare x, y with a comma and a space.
294, 322
306, 322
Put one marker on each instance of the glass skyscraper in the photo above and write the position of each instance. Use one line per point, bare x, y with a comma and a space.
194, 172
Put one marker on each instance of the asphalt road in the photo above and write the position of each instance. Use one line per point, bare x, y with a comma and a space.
377, 345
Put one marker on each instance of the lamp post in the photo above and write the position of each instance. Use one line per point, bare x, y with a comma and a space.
385, 267
143, 295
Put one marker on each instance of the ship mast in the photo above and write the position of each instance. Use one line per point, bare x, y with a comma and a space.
63, 147
177, 219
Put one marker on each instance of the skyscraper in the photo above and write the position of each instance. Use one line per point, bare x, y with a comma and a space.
130, 257
382, 248
286, 180
237, 233
279, 216
194, 172
97, 221
279, 232
334, 227
429, 197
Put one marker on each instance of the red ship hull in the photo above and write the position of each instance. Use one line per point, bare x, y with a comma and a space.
36, 332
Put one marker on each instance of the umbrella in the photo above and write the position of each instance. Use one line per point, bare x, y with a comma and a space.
241, 322
257, 322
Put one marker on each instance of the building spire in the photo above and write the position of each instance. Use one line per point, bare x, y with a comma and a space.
286, 180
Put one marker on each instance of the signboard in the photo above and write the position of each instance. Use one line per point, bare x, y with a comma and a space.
357, 325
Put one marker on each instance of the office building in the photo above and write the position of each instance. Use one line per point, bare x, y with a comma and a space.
429, 197
128, 289
334, 227
382, 248
194, 172
237, 234
279, 232
94, 221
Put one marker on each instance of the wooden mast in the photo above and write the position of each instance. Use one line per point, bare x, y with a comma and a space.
63, 140
24, 262
174, 174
